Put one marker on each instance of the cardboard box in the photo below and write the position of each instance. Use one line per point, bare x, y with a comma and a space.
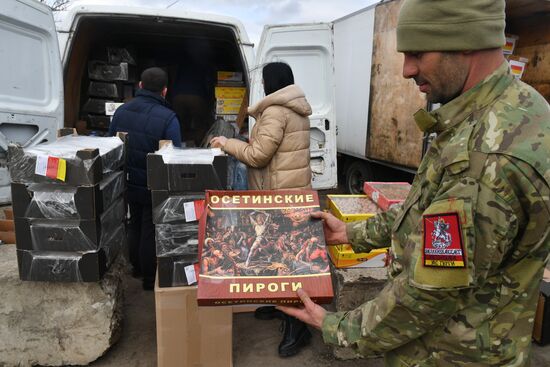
169, 207
177, 239
343, 256
541, 330
229, 92
103, 90
230, 76
171, 270
225, 106
228, 118
69, 234
100, 70
350, 208
45, 200
86, 159
70, 266
127, 92
189, 335
97, 122
95, 105
386, 194
165, 171
116, 55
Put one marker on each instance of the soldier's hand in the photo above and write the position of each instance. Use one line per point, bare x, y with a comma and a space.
310, 313
335, 229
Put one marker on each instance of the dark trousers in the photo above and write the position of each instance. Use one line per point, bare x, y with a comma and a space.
141, 240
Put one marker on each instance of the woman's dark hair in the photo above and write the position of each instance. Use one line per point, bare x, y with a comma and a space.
276, 75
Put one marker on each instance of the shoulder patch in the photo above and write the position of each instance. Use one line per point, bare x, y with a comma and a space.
443, 244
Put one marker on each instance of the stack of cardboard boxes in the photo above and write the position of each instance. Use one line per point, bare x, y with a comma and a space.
230, 94
186, 333
380, 197
111, 80
177, 179
69, 207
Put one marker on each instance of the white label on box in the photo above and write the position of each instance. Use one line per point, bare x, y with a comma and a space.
190, 274
190, 213
41, 165
111, 107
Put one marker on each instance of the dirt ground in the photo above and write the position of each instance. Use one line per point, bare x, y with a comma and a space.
254, 342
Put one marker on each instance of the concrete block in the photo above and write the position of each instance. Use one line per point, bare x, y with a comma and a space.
352, 288
55, 324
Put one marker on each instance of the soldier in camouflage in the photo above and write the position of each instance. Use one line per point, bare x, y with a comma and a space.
471, 241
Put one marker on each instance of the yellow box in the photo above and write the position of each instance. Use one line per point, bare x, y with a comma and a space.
229, 102
230, 92
343, 256
227, 110
335, 207
230, 76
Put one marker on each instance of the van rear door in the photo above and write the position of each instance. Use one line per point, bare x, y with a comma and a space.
308, 49
31, 91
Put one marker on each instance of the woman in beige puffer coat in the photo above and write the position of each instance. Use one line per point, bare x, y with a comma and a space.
278, 158
278, 152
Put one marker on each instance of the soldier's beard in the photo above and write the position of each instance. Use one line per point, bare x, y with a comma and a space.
448, 79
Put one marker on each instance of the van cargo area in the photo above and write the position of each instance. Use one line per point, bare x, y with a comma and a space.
109, 53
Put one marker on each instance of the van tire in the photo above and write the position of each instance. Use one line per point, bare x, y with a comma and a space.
356, 174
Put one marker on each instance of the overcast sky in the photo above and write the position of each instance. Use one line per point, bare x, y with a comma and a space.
256, 13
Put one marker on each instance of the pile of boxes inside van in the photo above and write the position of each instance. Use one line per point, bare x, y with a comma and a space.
379, 197
111, 79
177, 179
230, 94
69, 207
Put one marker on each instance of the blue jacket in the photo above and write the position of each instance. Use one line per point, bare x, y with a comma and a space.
147, 119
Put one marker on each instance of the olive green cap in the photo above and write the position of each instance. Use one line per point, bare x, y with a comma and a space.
450, 25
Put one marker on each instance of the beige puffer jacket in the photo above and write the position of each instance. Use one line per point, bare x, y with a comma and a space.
278, 152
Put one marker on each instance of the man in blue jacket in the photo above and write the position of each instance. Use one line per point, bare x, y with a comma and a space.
147, 119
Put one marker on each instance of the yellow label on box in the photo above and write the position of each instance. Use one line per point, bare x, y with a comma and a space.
227, 110
62, 170
229, 92
230, 76
343, 256
229, 102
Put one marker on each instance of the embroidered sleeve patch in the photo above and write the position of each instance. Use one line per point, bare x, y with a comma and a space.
443, 246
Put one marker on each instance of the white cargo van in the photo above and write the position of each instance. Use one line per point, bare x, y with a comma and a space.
371, 103
42, 91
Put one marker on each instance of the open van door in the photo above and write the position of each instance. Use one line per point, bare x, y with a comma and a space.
31, 91
308, 49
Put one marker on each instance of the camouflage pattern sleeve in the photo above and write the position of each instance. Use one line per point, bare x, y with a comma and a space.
422, 298
372, 233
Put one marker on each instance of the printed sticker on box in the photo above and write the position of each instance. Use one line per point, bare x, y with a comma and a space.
51, 167
193, 210
508, 48
518, 67
111, 107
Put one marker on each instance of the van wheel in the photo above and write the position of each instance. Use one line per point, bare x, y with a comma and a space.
357, 173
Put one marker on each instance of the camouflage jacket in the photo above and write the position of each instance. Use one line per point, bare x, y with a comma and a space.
471, 241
